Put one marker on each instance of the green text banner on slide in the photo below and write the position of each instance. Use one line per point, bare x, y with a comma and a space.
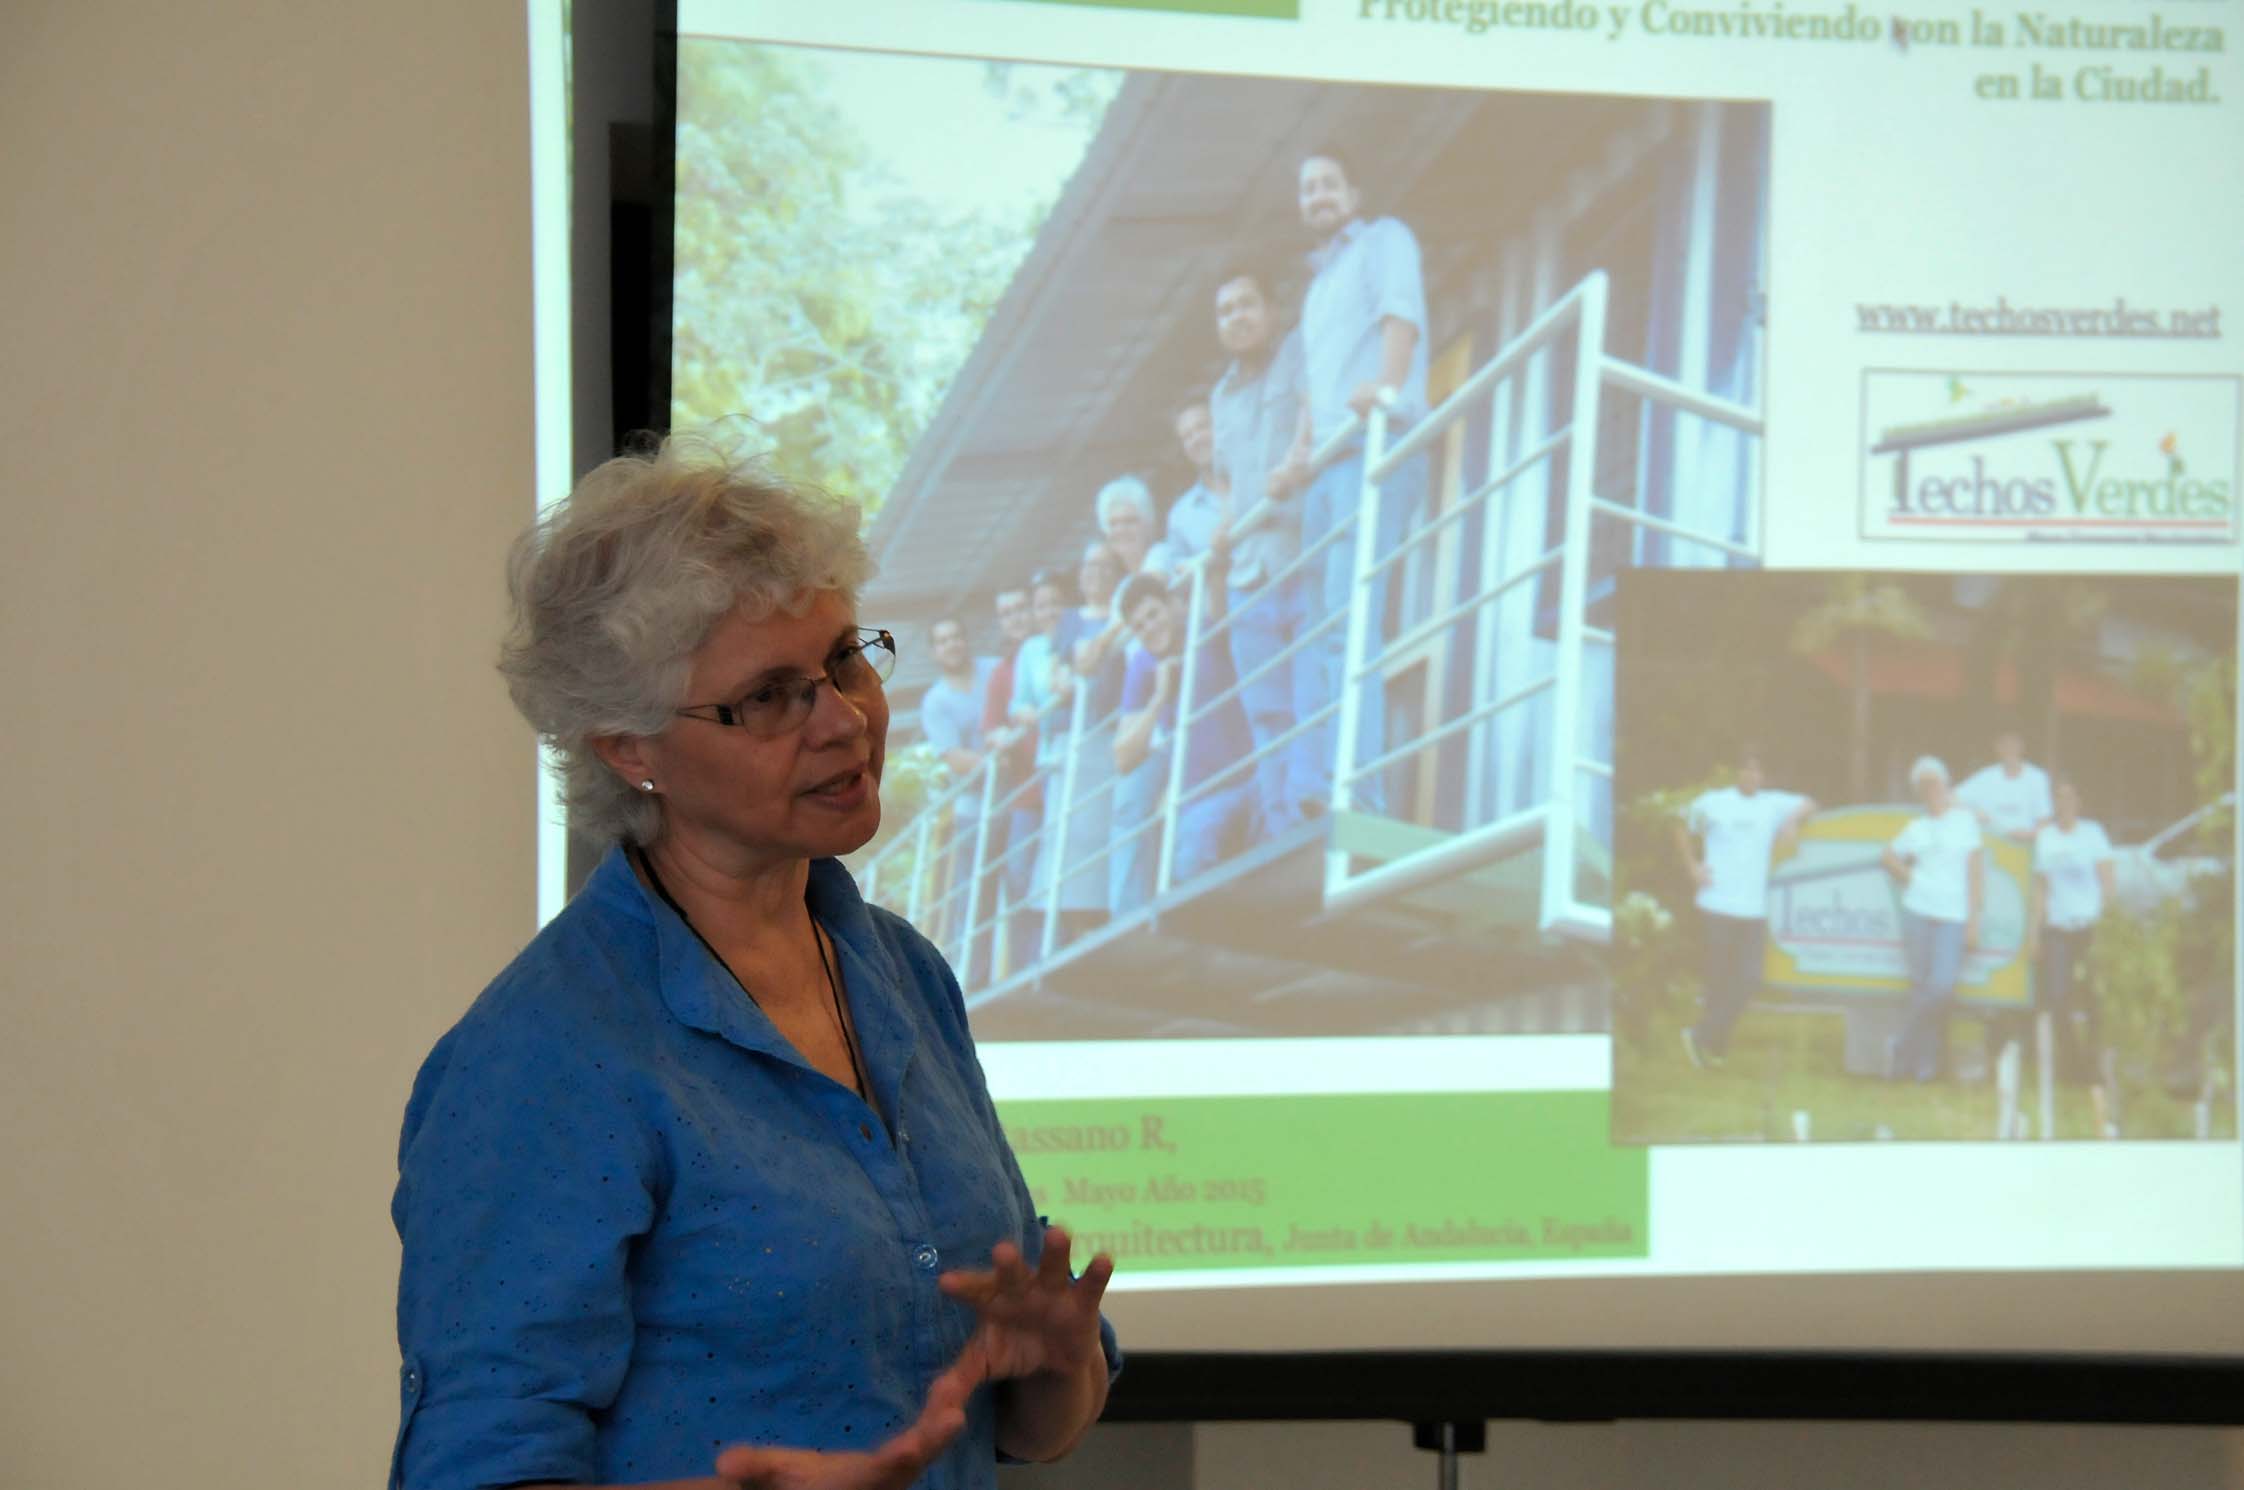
1540, 642
1232, 1182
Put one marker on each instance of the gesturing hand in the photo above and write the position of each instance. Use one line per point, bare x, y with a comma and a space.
892, 1466
1041, 1323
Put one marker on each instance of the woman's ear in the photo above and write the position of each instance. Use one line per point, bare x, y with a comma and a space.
627, 756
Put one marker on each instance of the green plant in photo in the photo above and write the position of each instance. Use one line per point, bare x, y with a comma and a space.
1647, 973
2133, 971
1655, 954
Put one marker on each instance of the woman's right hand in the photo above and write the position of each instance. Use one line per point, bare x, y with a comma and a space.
892, 1466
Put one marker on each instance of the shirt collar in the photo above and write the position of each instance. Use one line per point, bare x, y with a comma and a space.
1236, 377
1325, 252
703, 995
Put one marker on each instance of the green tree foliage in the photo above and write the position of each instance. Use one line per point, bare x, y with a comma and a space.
2207, 690
816, 296
1074, 98
1854, 610
2133, 963
2039, 628
2166, 979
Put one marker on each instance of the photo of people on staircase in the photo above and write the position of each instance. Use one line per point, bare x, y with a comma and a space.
1925, 856
1250, 476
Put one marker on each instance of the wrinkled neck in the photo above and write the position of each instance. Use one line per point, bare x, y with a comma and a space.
733, 897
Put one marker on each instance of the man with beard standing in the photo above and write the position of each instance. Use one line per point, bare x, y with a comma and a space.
1363, 345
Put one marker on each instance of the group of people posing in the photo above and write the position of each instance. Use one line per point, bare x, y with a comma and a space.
1728, 838
1276, 446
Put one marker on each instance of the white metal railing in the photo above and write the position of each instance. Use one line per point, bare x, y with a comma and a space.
1579, 315
941, 872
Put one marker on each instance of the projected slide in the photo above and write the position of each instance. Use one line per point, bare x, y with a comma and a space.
1512, 611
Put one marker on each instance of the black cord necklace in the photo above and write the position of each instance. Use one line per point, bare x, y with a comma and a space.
857, 1069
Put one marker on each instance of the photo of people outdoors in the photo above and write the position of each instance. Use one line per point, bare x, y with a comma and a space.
1249, 464
1922, 856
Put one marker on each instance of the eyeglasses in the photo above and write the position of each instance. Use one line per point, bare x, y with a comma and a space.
856, 669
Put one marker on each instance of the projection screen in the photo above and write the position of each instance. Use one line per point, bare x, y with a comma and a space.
1568, 670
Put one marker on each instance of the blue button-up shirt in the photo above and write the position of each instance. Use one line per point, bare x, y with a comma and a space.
639, 1227
951, 719
1365, 273
1193, 519
1219, 737
1255, 417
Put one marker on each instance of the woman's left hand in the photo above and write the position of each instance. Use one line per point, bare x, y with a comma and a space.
1041, 1323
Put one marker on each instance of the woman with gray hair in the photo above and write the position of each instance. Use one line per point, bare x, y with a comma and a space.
712, 1162
1938, 860
1127, 521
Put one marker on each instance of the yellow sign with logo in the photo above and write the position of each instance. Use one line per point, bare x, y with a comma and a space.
1835, 914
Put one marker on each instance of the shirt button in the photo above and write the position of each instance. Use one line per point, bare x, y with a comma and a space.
865, 1131
926, 1256
412, 1381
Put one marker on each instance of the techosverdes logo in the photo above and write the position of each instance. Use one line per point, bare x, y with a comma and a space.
2089, 483
2018, 460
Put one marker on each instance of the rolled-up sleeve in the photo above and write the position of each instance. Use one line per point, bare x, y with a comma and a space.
521, 1185
1398, 281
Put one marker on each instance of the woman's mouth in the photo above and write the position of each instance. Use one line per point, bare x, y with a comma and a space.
844, 789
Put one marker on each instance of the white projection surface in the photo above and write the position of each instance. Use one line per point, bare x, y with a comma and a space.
1615, 445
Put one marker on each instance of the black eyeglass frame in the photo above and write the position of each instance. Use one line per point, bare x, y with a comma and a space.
806, 696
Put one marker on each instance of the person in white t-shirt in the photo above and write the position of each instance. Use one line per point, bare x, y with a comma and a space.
2073, 882
1726, 838
2011, 796
1938, 860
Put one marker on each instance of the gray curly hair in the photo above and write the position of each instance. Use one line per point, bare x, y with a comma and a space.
1124, 491
614, 588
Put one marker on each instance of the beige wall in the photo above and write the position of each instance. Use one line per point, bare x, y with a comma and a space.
265, 410
265, 404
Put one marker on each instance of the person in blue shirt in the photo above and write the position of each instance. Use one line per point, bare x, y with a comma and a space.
707, 1186
1204, 506
1363, 346
1044, 700
1215, 801
1256, 409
